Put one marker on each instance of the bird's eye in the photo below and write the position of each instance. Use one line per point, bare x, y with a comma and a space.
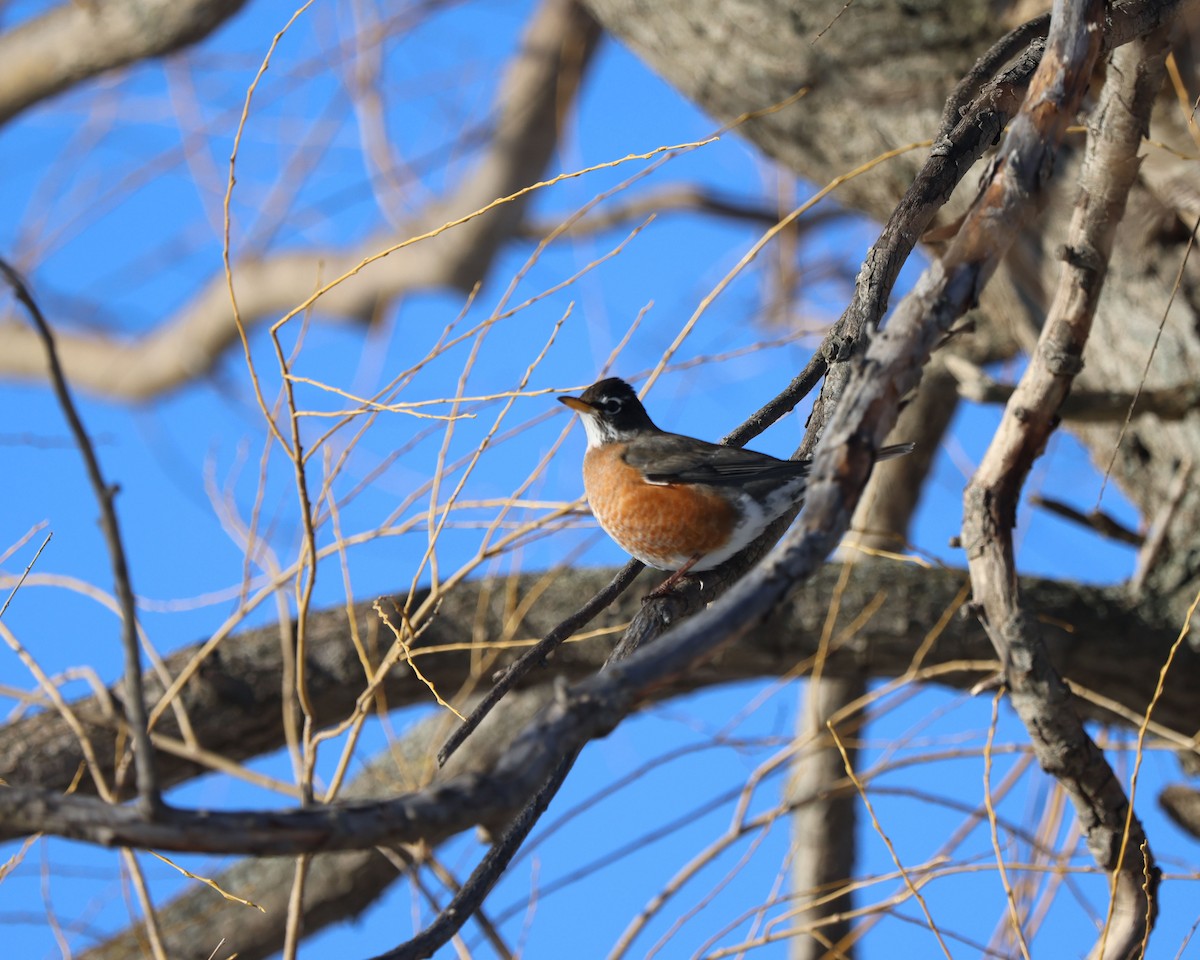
611, 405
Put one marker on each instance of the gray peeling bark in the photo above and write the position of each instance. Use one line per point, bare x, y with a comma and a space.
731, 57
879, 72
1114, 835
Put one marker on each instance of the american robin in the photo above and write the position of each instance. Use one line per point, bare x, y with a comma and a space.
675, 502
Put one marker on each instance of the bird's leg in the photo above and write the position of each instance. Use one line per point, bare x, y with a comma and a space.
665, 587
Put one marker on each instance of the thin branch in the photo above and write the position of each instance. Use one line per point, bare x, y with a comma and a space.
1097, 520
1133, 403
539, 80
469, 898
1080, 405
135, 702
1160, 528
537, 654
25, 573
676, 198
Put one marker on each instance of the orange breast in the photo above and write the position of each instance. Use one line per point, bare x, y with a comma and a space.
661, 525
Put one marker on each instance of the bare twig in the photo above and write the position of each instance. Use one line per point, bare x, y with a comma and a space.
537, 655
1096, 520
469, 898
1160, 528
1133, 403
135, 703
1083, 406
29, 566
682, 198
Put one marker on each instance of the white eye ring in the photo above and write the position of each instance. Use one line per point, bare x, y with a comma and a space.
611, 405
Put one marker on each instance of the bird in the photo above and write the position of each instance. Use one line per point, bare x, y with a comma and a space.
674, 502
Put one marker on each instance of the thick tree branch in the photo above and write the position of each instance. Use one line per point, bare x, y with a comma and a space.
74, 42
1038, 694
1095, 638
1108, 645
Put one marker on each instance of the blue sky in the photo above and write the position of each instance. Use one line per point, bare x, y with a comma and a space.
122, 226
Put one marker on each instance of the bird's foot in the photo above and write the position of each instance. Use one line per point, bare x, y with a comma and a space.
665, 587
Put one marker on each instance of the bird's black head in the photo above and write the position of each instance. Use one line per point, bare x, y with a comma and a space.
610, 409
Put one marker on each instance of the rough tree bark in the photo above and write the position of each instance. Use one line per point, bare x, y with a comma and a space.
876, 57
73, 42
879, 75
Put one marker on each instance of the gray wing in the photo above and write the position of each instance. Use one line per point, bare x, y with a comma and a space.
671, 458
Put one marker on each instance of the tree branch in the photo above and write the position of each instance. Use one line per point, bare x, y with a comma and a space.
339, 885
1095, 637
1085, 406
676, 198
74, 42
105, 493
1114, 835
1097, 520
1101, 641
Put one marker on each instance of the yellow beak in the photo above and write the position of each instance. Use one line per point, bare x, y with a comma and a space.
576, 404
